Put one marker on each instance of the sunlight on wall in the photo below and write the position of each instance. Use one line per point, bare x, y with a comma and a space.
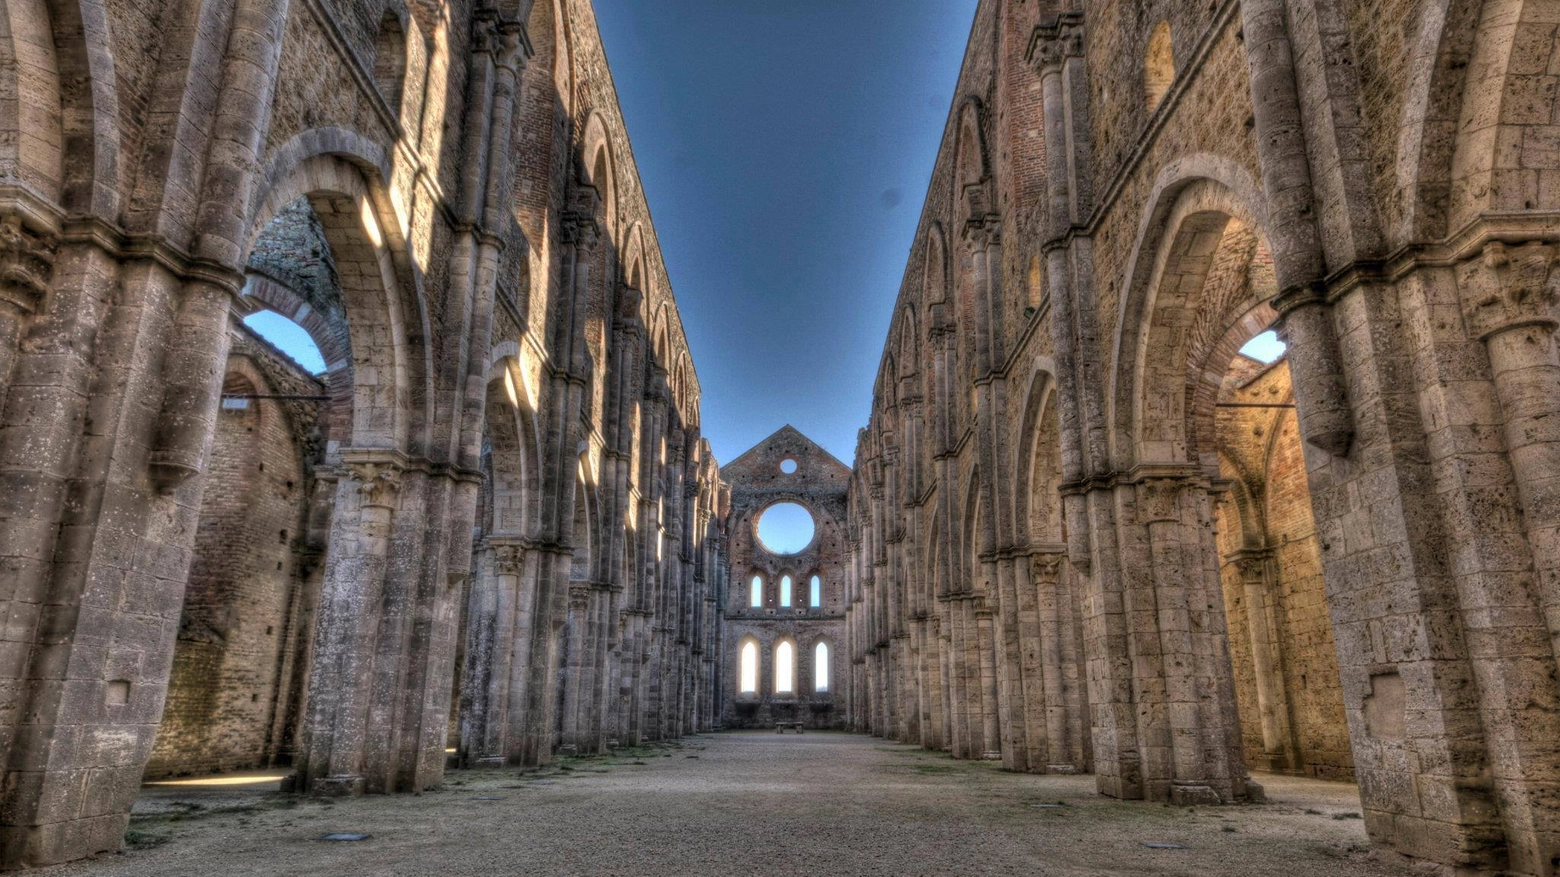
749, 675
821, 667
785, 668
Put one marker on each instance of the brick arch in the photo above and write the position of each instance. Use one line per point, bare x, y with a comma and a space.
1181, 235
1038, 506
386, 313
599, 167
329, 335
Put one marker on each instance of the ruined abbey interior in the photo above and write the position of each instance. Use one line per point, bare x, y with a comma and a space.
1086, 540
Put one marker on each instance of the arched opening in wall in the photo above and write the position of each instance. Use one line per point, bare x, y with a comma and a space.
1158, 66
237, 693
815, 592
1050, 609
785, 591
756, 592
1270, 565
580, 565
821, 668
747, 667
785, 667
288, 337
1192, 402
230, 684
785, 528
390, 60
485, 672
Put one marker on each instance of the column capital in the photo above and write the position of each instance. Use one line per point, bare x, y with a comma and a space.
1054, 41
1508, 286
1046, 566
378, 474
26, 263
508, 556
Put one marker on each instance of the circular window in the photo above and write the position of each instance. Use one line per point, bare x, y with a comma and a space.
788, 466
785, 528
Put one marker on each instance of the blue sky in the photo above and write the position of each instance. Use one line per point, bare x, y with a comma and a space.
785, 149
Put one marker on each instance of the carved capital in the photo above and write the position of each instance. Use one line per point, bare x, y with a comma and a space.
1252, 565
1159, 499
26, 263
1044, 568
1054, 41
379, 481
508, 558
581, 229
1508, 286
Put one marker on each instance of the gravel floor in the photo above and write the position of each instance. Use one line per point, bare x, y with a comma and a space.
744, 804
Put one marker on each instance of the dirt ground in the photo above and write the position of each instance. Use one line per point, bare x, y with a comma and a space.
742, 804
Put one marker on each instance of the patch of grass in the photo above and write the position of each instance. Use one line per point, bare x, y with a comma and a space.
1312, 811
1342, 816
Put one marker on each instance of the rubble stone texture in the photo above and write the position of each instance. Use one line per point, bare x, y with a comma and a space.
490, 525
1083, 535
1088, 535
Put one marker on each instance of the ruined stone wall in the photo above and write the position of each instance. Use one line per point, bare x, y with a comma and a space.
1364, 177
818, 483
402, 181
1268, 513
226, 685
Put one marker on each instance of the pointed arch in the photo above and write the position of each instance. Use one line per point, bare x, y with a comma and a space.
598, 167
386, 311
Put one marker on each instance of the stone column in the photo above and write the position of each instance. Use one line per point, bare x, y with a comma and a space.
1508, 295
1189, 758
1255, 568
1055, 749
491, 635
367, 496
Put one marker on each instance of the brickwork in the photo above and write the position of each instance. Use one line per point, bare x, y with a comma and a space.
226, 685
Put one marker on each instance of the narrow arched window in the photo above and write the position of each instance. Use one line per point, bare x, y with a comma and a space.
821, 667
785, 591
1158, 66
749, 669
785, 668
756, 598
815, 592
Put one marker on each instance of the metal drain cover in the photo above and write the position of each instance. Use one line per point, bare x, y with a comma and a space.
345, 836
1162, 845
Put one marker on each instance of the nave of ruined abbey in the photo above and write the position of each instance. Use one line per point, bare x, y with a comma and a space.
1087, 532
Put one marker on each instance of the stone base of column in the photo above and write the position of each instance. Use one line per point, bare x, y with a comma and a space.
1193, 795
343, 786
1069, 769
